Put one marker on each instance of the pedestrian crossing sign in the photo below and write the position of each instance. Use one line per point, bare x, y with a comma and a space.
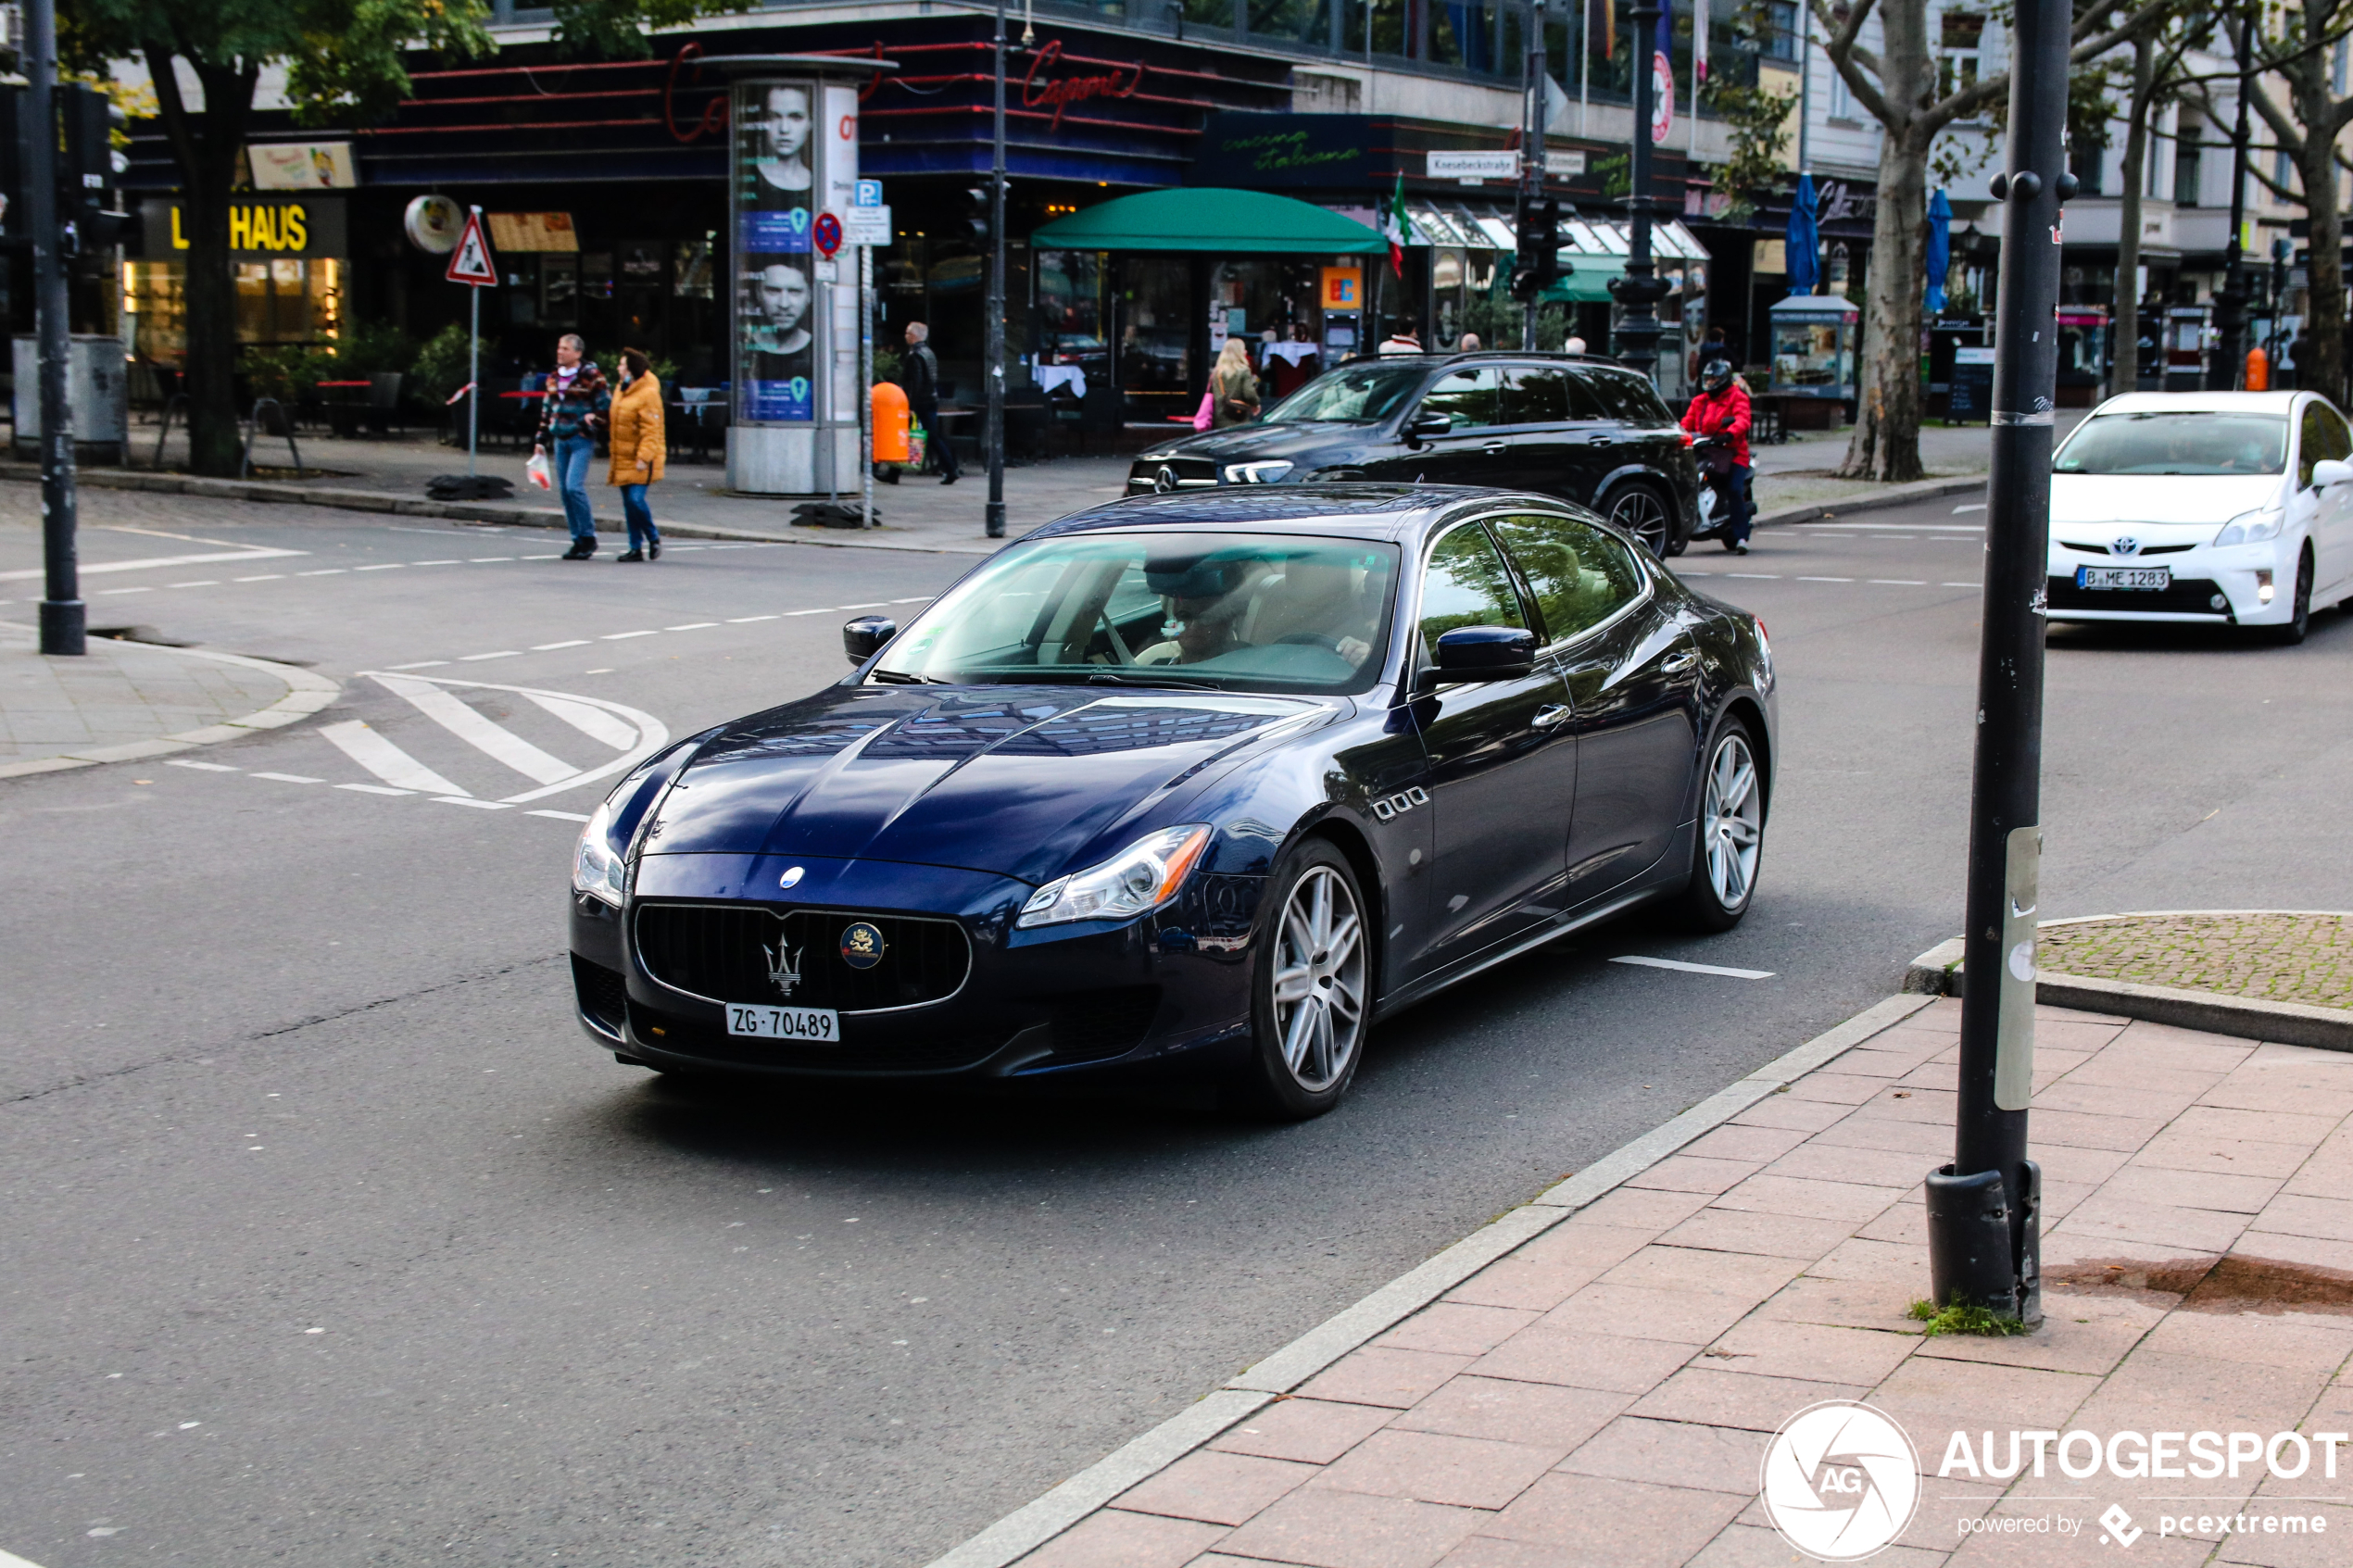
470, 263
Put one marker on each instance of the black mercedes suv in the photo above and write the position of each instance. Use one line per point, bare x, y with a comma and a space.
1586, 431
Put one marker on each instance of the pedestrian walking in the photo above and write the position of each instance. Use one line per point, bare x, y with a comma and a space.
638, 445
920, 370
1234, 387
571, 416
1404, 340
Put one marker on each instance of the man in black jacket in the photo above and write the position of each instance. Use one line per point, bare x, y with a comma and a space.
921, 369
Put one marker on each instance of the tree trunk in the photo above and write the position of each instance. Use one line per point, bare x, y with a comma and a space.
206, 149
2319, 363
2128, 233
1886, 444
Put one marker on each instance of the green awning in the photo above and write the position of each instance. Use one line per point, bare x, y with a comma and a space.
1236, 222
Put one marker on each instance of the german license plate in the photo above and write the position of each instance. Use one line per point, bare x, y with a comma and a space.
2144, 578
816, 1026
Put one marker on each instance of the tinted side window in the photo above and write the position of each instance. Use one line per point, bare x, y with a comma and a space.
1466, 584
1584, 403
2325, 437
1466, 397
1627, 397
1580, 575
1535, 394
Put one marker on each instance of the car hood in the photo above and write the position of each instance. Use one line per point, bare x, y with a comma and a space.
2208, 499
1020, 780
1263, 441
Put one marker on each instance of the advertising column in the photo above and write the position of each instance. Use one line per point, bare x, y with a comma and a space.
794, 326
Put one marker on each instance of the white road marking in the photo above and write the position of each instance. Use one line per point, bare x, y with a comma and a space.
744, 620
558, 816
1897, 582
875, 604
691, 626
104, 591
375, 789
200, 582
503, 745
203, 767
543, 648
289, 778
387, 762
264, 577
624, 637
478, 658
1894, 527
1757, 576
652, 733
788, 614
10, 1559
323, 571
1699, 968
1960, 584
485, 561
383, 565
469, 800
420, 664
451, 563
1970, 506
91, 568
1826, 580
918, 599
589, 719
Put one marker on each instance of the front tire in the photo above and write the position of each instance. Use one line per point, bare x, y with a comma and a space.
1732, 832
2299, 622
1311, 991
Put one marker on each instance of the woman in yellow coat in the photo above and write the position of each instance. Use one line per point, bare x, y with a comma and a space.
637, 450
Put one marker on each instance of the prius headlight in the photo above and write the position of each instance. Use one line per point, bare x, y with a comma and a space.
1139, 878
2252, 528
1258, 473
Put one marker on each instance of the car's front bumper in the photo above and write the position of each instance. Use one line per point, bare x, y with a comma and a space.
2249, 581
1050, 1000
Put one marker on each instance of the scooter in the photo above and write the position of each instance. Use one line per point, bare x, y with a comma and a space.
1715, 470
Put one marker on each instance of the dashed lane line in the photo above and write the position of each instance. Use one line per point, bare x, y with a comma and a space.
1714, 969
289, 778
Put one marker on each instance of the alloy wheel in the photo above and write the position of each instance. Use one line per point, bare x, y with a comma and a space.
1319, 980
1733, 823
1638, 512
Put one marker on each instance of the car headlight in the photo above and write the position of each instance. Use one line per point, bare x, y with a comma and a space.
598, 869
1139, 878
2252, 528
1258, 473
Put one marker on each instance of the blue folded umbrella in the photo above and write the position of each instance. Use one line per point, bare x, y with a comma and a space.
1805, 238
1940, 250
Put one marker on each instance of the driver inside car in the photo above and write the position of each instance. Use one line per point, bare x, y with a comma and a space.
1205, 600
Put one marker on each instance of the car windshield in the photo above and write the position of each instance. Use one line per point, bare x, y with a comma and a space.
2177, 442
1362, 394
1229, 611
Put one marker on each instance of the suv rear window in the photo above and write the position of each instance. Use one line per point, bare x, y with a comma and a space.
1625, 395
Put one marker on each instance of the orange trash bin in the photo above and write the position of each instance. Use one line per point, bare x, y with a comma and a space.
892, 422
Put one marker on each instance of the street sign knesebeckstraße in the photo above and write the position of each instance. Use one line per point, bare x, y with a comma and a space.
1496, 166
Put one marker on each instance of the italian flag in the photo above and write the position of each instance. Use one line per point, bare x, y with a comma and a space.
1397, 228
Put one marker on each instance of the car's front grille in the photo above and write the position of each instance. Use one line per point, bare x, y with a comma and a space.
603, 994
1183, 473
1099, 1025
2188, 596
2105, 554
748, 953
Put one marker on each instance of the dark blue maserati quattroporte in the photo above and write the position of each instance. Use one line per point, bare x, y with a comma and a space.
1187, 781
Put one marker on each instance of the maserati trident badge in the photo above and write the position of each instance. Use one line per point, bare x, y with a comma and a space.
783, 967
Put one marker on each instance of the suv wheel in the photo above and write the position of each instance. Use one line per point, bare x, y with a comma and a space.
1643, 512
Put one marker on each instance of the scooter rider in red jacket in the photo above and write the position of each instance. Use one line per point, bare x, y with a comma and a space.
1721, 410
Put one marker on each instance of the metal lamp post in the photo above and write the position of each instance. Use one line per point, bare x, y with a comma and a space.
2230, 306
64, 616
1985, 1222
994, 371
1531, 152
1640, 290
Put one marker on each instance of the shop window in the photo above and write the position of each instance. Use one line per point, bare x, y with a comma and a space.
692, 274
279, 300
2187, 164
596, 274
1960, 35
1070, 325
558, 291
1782, 46
1300, 22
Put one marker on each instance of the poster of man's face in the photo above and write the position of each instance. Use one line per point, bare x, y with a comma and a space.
775, 289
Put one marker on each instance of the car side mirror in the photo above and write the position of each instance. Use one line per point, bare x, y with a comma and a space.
864, 637
1425, 427
2328, 471
1482, 653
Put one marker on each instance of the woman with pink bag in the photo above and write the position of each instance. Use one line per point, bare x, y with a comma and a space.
1233, 389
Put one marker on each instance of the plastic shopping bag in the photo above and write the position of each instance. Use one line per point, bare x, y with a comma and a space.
536, 470
1206, 415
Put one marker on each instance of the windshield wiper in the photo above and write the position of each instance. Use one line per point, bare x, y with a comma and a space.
901, 678
1106, 678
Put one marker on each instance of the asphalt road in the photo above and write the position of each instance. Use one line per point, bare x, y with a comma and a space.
332, 1241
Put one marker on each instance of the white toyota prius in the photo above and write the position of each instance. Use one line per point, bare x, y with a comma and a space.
2227, 508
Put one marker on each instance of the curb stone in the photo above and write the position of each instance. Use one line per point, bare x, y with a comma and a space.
1035, 1523
1937, 972
307, 694
553, 519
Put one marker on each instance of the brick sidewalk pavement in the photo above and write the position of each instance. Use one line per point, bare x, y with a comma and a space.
1601, 1396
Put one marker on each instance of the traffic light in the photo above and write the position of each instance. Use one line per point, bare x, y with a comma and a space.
1539, 243
85, 164
977, 215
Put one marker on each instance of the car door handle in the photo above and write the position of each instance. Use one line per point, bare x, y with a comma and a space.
1675, 664
1600, 439
1494, 448
1547, 718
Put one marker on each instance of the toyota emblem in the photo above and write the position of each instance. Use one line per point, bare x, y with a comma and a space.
2128, 546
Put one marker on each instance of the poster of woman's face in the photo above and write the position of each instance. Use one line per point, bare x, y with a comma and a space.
776, 291
784, 128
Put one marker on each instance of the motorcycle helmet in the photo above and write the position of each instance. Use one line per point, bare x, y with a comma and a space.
1716, 375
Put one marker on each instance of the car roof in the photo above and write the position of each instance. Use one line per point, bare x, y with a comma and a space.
2200, 403
1395, 512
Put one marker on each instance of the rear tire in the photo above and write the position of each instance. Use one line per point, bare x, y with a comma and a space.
1726, 861
1644, 512
1311, 989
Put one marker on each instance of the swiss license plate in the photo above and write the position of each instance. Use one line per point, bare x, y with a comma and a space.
817, 1026
2146, 578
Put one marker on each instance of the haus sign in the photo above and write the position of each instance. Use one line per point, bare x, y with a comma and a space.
259, 226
